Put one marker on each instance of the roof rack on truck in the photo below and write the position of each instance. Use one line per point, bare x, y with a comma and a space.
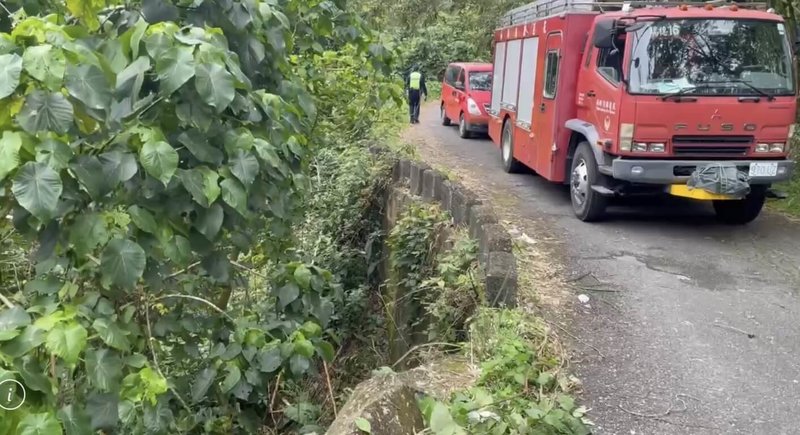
546, 8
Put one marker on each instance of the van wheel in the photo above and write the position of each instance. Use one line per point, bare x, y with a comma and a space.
741, 211
588, 205
462, 127
443, 115
510, 164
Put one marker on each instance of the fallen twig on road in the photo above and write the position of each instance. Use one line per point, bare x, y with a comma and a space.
734, 329
669, 410
579, 277
601, 290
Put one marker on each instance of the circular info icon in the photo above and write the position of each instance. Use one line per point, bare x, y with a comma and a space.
12, 394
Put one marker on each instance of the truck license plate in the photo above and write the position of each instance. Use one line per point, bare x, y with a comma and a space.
763, 169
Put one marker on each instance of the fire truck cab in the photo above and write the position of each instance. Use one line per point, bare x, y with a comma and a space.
648, 98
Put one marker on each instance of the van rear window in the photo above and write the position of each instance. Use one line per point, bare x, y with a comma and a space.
480, 81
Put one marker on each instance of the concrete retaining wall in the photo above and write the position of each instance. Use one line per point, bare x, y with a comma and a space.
388, 403
496, 257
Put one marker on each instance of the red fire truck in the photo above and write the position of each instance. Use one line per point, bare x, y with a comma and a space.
615, 99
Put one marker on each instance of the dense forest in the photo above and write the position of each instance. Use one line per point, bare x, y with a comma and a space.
189, 192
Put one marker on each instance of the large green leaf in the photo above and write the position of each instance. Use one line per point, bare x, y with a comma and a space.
45, 111
30, 338
90, 174
288, 294
112, 334
244, 165
270, 360
175, 67
39, 424
10, 144
86, 11
231, 379
88, 84
143, 219
46, 64
34, 376
215, 85
136, 37
179, 250
118, 166
55, 153
209, 221
157, 43
10, 70
160, 160
442, 422
67, 340
104, 410
10, 320
87, 233
201, 183
202, 383
123, 262
130, 79
234, 195
74, 420
37, 188
198, 145
104, 369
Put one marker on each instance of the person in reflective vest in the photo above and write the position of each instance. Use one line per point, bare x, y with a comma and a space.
415, 86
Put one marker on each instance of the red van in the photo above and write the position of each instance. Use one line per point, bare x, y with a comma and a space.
466, 97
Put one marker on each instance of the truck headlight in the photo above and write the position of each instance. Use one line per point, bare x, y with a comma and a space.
777, 147
472, 107
625, 137
644, 147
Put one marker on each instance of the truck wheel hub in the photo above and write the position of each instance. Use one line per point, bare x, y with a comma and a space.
580, 183
506, 145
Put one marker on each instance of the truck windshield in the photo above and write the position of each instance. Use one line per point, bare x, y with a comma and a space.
711, 57
480, 81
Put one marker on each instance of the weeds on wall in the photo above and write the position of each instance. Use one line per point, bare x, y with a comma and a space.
437, 267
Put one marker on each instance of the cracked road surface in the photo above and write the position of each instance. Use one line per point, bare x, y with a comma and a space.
691, 327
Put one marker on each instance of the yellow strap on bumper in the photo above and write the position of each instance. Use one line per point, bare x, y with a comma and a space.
684, 191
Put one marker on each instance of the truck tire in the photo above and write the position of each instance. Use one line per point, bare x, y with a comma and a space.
463, 131
443, 115
741, 211
510, 164
588, 205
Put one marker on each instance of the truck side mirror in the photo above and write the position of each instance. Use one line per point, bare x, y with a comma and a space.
604, 33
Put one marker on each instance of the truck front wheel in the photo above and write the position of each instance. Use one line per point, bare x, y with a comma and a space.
588, 205
741, 211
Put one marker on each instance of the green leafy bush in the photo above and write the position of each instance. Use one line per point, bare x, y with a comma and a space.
521, 388
157, 155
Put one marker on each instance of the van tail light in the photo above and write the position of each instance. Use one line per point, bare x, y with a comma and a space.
472, 107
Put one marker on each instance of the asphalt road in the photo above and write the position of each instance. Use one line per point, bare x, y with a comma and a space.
692, 327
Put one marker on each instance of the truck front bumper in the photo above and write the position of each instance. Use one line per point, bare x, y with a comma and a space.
679, 171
